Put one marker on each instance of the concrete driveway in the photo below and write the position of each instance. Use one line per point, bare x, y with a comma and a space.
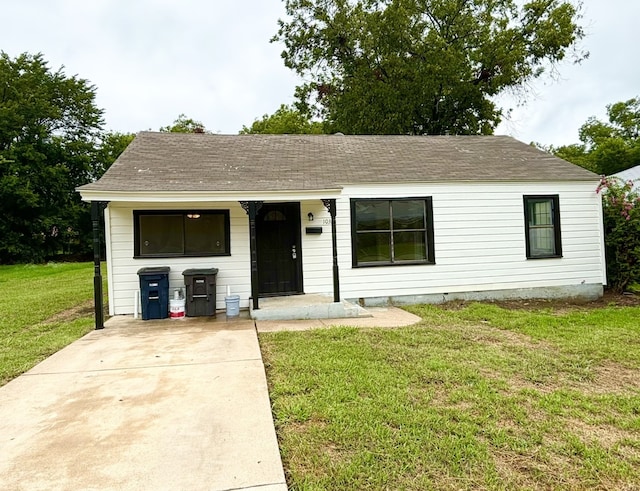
163, 405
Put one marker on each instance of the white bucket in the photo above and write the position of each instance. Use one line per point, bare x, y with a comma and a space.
233, 305
176, 308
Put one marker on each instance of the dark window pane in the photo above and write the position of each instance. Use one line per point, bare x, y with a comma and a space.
372, 215
542, 241
161, 234
374, 247
543, 226
540, 212
408, 214
275, 216
390, 231
409, 246
204, 234
177, 233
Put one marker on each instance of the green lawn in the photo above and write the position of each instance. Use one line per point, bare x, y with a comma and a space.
478, 397
42, 309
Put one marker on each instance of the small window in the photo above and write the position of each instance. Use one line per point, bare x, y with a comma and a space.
392, 231
275, 216
542, 226
178, 233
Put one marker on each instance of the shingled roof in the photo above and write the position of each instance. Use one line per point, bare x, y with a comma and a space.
202, 162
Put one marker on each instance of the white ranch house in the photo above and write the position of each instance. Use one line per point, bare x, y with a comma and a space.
370, 219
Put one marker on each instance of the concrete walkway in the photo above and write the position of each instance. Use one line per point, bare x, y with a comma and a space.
161, 405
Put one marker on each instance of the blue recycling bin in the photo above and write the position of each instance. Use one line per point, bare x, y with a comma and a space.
154, 292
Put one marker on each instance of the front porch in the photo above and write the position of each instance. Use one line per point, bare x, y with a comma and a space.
276, 266
300, 307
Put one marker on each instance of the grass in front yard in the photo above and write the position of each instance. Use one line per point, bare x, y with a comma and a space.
42, 309
475, 398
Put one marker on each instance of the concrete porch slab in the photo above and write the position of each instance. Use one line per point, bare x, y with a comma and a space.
378, 317
301, 307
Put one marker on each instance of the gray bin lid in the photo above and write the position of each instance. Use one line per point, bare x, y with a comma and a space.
154, 270
200, 272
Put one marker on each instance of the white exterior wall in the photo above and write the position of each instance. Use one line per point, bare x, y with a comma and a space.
480, 241
317, 255
479, 245
233, 270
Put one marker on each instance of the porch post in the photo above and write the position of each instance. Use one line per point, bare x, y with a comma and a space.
330, 204
96, 207
252, 208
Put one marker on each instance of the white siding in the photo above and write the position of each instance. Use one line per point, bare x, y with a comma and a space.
480, 241
479, 245
317, 255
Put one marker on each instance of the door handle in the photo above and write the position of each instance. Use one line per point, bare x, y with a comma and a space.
294, 254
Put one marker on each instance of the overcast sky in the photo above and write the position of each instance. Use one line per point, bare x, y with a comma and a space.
152, 60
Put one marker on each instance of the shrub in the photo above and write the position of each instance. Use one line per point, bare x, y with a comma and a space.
621, 213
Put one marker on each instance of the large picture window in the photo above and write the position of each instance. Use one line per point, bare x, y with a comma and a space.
392, 231
542, 226
181, 233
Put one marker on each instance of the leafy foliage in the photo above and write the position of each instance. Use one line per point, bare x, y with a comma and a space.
183, 124
607, 147
420, 66
49, 126
286, 120
621, 206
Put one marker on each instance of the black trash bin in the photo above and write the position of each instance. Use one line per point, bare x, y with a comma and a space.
154, 292
201, 291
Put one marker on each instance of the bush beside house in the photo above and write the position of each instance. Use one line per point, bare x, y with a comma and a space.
621, 210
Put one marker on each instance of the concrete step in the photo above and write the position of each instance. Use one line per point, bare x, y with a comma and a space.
312, 306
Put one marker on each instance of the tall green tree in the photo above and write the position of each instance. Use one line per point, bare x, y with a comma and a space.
421, 66
607, 147
49, 125
183, 124
286, 120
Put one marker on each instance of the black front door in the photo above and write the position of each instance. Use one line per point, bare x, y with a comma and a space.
278, 248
